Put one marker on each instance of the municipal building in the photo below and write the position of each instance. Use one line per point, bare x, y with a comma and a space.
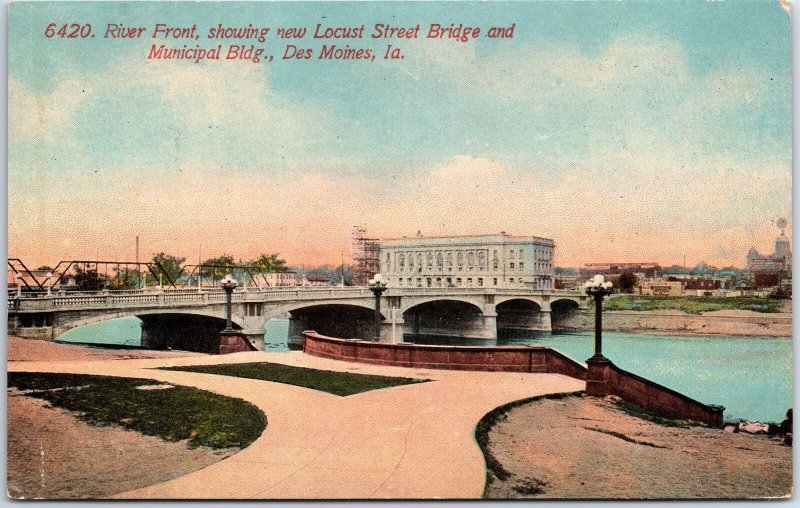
495, 261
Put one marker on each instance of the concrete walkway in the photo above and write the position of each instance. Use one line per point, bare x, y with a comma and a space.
412, 441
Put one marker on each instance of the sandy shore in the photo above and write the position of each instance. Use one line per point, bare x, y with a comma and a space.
53, 455
586, 448
732, 323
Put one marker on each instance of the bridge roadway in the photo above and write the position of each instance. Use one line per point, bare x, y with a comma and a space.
50, 315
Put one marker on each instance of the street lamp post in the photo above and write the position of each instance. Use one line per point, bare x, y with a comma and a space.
598, 288
228, 285
377, 285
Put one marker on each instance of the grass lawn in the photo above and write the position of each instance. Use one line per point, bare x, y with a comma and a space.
691, 305
337, 383
173, 414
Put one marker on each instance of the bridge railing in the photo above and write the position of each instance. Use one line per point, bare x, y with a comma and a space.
170, 297
183, 296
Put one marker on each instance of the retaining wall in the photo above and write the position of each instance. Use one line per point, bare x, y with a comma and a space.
605, 378
491, 358
602, 377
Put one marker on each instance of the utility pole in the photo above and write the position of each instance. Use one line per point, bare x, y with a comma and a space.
138, 268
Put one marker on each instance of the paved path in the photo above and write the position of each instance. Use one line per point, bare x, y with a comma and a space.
412, 441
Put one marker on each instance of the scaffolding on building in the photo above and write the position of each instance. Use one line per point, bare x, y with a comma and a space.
364, 254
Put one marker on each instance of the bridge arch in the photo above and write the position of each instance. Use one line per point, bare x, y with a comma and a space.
297, 306
446, 317
346, 320
564, 312
409, 303
66, 324
519, 315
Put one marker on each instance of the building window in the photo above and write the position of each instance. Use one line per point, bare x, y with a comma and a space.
458, 282
408, 281
400, 281
449, 282
460, 260
469, 282
439, 261
470, 259
419, 282
402, 262
449, 261
511, 280
429, 281
411, 262
511, 254
430, 261
481, 260
521, 253
480, 281
388, 262
419, 262
494, 281
438, 282
521, 265
511, 265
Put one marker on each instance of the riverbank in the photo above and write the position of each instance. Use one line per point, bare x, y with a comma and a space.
587, 448
670, 322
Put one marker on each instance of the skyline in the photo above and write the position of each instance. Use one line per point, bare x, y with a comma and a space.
624, 131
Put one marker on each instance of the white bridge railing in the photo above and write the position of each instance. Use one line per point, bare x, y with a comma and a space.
194, 296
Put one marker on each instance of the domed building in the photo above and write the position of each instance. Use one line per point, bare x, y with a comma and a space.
770, 270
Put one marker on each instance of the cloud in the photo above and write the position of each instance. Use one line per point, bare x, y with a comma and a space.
39, 115
180, 111
521, 73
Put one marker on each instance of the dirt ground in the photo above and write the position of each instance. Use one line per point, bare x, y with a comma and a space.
53, 455
30, 350
586, 448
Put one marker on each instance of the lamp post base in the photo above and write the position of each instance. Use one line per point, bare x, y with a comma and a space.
597, 376
234, 341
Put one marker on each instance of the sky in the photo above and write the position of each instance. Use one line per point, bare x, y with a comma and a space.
625, 131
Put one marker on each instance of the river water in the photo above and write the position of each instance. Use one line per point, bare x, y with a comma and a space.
750, 376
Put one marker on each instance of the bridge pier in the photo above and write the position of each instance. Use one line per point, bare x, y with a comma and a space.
254, 337
489, 327
392, 329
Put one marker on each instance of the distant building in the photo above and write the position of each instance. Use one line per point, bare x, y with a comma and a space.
314, 281
568, 282
277, 279
639, 269
499, 261
770, 270
660, 287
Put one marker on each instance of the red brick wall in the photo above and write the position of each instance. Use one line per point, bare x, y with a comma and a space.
492, 358
655, 397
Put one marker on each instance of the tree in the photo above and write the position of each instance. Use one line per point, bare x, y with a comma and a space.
267, 263
89, 279
167, 267
125, 278
628, 282
209, 270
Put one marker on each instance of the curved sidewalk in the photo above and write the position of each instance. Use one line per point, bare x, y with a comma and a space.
411, 441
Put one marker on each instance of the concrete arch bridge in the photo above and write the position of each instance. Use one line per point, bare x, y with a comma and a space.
185, 318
